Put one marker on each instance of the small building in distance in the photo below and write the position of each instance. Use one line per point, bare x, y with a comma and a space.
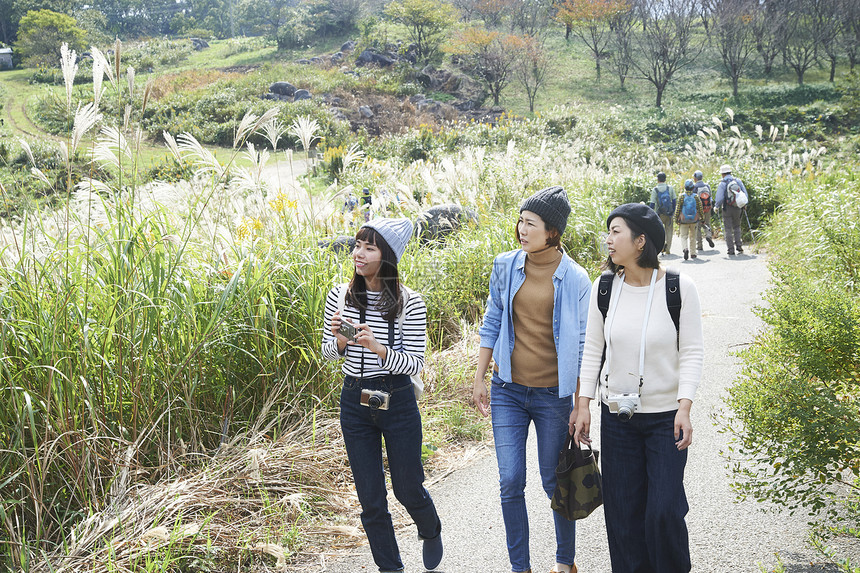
6, 59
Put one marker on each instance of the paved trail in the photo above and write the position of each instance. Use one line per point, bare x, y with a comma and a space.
725, 536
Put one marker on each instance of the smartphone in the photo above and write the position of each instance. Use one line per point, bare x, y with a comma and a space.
347, 330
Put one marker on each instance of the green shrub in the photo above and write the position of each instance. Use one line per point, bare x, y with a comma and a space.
795, 416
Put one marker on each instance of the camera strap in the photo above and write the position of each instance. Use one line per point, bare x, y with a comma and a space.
645, 320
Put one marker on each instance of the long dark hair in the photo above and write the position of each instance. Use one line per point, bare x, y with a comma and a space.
391, 300
647, 259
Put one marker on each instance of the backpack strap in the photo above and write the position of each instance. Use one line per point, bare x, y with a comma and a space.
673, 302
604, 293
404, 293
341, 296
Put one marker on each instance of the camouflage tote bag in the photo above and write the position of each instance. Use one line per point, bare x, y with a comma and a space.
578, 487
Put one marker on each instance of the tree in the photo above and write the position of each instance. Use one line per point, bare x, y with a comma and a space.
491, 12
41, 34
335, 16
850, 10
589, 20
621, 42
530, 17
828, 24
734, 36
531, 66
666, 42
11, 12
801, 45
770, 30
267, 16
488, 56
427, 22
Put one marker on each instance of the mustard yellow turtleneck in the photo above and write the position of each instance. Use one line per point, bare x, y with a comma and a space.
534, 361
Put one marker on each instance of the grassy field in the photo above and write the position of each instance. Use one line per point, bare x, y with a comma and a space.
159, 338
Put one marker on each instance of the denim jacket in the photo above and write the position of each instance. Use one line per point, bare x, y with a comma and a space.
570, 312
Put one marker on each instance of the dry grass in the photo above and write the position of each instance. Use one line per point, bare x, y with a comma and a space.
190, 81
277, 503
246, 499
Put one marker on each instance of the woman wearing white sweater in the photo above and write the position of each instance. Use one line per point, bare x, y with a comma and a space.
644, 363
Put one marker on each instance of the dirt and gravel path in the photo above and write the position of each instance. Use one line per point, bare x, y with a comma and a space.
725, 536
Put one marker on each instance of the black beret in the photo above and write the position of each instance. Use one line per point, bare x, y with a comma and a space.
643, 217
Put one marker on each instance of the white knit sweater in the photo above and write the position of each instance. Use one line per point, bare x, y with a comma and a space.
671, 372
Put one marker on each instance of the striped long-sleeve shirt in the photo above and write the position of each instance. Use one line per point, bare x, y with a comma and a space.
407, 355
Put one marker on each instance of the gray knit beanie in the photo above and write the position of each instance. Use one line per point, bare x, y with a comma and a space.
551, 205
395, 232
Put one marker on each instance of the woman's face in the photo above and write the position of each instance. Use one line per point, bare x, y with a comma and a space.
367, 258
623, 248
532, 232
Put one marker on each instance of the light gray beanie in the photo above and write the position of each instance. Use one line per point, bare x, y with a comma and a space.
395, 232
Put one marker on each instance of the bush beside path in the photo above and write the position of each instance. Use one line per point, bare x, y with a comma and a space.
725, 535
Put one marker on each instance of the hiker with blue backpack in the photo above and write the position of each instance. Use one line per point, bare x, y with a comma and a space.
663, 200
688, 214
642, 361
732, 198
703, 190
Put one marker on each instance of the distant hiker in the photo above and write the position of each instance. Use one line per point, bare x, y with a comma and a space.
703, 190
350, 203
663, 200
379, 326
533, 331
642, 362
732, 198
688, 214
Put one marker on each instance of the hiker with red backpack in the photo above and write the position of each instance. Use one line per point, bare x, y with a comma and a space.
663, 200
688, 214
732, 198
703, 190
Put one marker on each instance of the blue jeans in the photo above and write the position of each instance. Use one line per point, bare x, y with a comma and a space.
643, 493
400, 425
514, 407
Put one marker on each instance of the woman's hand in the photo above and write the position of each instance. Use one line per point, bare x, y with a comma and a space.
582, 424
364, 337
336, 321
683, 427
479, 396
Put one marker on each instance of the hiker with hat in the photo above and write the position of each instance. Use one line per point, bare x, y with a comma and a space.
378, 327
703, 190
732, 198
533, 331
664, 201
688, 214
642, 360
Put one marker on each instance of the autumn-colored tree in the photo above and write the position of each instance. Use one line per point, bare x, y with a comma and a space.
532, 65
427, 21
487, 55
589, 20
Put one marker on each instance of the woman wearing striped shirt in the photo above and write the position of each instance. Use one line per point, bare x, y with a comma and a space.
378, 400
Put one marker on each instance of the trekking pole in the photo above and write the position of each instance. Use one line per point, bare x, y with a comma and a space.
752, 233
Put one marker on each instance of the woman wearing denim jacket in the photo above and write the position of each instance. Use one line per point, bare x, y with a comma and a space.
534, 330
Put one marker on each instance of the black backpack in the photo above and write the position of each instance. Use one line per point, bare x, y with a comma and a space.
673, 301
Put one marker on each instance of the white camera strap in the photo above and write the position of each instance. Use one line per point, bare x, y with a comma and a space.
644, 330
